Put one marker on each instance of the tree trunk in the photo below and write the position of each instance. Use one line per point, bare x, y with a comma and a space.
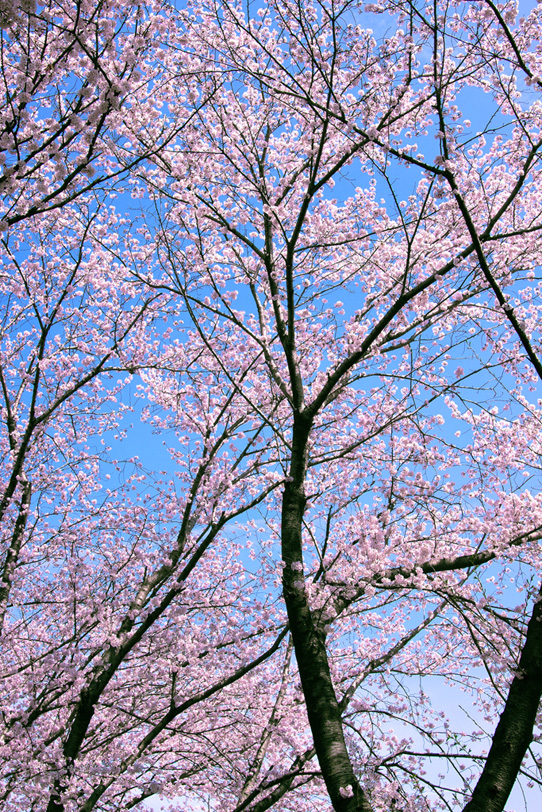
514, 731
309, 643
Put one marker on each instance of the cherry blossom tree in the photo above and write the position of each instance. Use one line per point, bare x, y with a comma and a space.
84, 92
311, 95
327, 307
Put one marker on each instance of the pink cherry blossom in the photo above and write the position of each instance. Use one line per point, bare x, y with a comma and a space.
269, 390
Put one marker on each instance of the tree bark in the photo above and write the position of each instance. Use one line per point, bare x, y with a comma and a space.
514, 731
12, 555
309, 642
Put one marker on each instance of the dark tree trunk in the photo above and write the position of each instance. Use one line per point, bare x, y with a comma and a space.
309, 643
514, 731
